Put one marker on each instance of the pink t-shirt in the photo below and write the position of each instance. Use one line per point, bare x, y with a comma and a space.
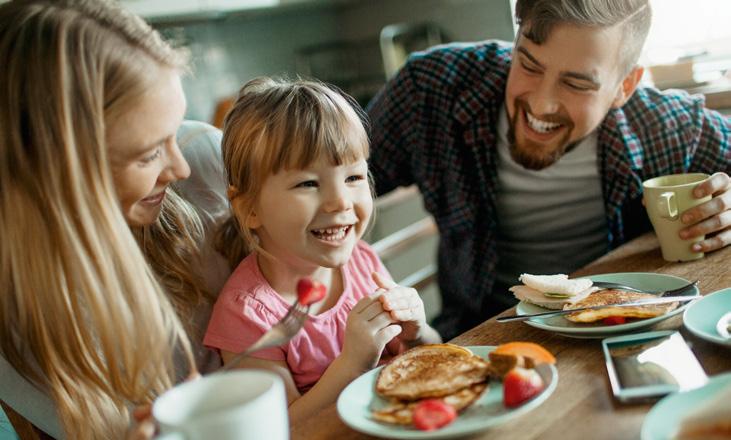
248, 306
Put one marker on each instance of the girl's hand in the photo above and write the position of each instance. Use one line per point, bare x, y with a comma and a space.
143, 427
368, 329
406, 307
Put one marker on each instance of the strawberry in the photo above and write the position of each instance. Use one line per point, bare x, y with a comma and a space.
431, 414
310, 291
520, 385
614, 320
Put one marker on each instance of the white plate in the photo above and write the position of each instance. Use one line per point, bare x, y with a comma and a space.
640, 280
703, 315
664, 418
357, 399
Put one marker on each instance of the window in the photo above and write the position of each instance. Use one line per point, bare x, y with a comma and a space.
699, 30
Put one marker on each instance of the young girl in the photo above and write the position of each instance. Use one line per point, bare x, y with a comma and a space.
295, 155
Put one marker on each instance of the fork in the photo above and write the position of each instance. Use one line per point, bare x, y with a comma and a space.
673, 292
280, 333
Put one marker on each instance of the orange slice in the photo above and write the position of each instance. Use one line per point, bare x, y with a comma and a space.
527, 349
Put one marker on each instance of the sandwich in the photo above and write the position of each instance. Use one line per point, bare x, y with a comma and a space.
552, 291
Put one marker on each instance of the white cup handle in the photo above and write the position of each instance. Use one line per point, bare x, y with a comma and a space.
667, 205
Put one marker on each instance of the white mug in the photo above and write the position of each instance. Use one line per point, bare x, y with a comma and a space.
232, 405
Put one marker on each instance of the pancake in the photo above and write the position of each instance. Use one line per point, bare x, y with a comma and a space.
609, 297
400, 412
432, 370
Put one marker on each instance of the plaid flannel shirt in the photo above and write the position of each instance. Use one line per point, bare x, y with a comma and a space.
434, 124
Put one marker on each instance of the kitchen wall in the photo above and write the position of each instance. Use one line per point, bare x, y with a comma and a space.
231, 50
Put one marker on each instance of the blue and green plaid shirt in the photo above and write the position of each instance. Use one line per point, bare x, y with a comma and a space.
435, 124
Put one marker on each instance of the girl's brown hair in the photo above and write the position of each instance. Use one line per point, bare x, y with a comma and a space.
277, 124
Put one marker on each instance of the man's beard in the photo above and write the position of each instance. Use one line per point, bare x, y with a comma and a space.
532, 155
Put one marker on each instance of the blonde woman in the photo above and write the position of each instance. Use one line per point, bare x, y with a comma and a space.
105, 272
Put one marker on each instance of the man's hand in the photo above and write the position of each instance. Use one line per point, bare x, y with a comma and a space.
712, 218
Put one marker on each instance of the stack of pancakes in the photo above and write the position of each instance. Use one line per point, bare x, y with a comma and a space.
444, 371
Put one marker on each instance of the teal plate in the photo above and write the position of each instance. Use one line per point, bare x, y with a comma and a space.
664, 418
703, 315
640, 280
358, 399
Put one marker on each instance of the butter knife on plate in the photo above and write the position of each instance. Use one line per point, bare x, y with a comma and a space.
641, 302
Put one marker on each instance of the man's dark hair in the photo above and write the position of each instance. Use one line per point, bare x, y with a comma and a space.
537, 18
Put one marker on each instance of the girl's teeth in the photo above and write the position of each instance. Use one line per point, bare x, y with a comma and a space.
540, 126
331, 234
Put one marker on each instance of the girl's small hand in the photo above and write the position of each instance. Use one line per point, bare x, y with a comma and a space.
404, 305
368, 329
143, 427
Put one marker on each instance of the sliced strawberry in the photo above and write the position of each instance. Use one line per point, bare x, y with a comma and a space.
431, 414
614, 320
310, 291
520, 385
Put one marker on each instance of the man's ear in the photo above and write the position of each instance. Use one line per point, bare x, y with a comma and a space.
628, 86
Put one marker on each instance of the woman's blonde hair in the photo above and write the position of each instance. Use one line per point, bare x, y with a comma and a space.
82, 313
278, 124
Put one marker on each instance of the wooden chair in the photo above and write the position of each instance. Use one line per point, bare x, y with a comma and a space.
405, 238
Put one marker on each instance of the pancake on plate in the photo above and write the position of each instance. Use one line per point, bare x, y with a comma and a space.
552, 291
445, 371
608, 297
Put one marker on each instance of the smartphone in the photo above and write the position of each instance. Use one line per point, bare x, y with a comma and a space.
646, 366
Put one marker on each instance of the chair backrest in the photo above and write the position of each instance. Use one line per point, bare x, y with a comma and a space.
397, 41
417, 268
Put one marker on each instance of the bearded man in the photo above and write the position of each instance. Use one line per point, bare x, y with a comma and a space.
531, 155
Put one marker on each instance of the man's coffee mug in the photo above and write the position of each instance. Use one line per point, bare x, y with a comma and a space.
233, 405
666, 198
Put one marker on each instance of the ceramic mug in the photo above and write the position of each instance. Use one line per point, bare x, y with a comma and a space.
232, 405
666, 198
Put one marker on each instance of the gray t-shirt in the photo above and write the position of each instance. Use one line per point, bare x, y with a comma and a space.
551, 220
200, 143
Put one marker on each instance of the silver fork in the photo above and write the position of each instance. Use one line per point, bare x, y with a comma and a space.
280, 333
673, 292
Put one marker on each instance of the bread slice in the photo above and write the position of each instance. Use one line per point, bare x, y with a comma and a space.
557, 284
433, 370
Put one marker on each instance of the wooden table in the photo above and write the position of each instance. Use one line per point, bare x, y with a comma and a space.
582, 407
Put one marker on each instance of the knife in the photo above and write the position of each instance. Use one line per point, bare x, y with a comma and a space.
640, 302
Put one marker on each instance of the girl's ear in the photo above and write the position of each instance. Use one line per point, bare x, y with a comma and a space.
251, 221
